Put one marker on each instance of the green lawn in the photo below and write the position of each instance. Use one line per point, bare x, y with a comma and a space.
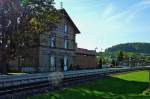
122, 86
141, 76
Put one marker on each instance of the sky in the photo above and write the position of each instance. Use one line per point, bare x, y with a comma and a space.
104, 23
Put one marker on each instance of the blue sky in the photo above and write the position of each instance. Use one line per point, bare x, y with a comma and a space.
104, 23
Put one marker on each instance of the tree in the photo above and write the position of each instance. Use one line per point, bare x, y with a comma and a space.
21, 23
100, 63
120, 56
9, 12
113, 62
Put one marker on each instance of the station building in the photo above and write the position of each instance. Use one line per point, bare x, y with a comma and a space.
57, 51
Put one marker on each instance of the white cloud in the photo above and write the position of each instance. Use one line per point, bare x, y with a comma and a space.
113, 22
109, 10
129, 14
136, 9
109, 23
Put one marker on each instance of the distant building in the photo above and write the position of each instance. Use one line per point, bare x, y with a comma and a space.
57, 50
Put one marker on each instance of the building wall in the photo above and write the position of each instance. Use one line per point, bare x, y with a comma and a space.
85, 59
85, 62
59, 52
26, 63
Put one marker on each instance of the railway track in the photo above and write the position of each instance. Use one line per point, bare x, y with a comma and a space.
69, 79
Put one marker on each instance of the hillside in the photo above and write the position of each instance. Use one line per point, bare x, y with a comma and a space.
131, 47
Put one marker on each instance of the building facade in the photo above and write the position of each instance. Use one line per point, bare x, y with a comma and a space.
85, 59
57, 50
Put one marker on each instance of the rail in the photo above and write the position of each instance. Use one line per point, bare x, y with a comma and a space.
16, 80
46, 81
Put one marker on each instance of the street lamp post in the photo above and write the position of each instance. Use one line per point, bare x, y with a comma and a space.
130, 59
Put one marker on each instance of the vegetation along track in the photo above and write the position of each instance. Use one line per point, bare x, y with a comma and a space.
69, 79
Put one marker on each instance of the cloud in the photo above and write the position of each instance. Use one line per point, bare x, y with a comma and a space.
104, 23
129, 14
116, 20
144, 2
136, 9
109, 10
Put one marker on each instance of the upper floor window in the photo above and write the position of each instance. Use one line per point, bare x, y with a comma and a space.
66, 28
53, 41
52, 61
66, 43
62, 28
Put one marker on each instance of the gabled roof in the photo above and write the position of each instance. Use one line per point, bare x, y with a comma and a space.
70, 20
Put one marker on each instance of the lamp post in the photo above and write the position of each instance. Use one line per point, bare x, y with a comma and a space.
130, 59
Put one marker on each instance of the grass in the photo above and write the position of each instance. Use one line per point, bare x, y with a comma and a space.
141, 76
122, 86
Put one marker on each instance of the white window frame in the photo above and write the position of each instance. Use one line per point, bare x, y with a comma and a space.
66, 28
66, 44
65, 63
53, 40
53, 62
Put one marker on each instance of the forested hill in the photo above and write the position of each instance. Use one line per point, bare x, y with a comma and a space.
131, 47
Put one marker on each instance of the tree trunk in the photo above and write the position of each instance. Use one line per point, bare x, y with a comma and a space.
3, 63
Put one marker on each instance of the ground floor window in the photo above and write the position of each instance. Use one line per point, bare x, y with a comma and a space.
65, 63
53, 63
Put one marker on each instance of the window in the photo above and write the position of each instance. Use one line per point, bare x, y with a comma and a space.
65, 60
66, 44
53, 42
62, 28
53, 62
65, 63
66, 28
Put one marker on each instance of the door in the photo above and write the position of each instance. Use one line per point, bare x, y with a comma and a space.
62, 64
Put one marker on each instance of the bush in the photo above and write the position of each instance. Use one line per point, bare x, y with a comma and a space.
147, 92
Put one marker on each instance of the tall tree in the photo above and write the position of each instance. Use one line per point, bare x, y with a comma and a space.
9, 12
21, 23
100, 63
120, 56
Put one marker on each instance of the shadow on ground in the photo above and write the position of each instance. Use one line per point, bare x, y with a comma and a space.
110, 88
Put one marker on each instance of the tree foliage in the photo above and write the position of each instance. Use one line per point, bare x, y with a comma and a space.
21, 23
120, 56
131, 47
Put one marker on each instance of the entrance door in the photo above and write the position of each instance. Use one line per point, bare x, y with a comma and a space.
62, 64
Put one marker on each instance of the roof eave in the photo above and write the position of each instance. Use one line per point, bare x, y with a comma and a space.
74, 26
